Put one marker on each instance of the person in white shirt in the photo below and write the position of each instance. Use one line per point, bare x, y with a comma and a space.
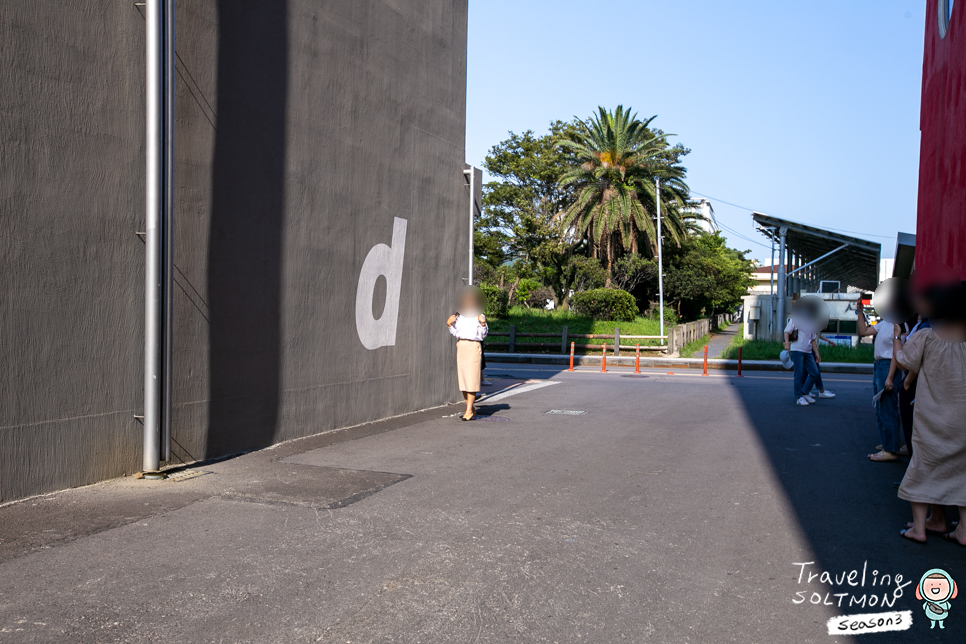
803, 350
470, 329
885, 379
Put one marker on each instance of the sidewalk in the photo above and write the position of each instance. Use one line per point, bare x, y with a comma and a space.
719, 341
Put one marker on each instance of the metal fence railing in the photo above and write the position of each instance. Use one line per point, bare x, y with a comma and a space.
563, 339
676, 338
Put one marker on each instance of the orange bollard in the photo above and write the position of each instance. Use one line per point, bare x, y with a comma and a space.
739, 362
705, 361
571, 357
603, 357
637, 360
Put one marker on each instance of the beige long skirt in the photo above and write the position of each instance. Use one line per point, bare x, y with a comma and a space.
468, 355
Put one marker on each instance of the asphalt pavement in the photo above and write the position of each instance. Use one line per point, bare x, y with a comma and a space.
671, 507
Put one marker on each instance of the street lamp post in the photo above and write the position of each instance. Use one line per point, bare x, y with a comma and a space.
660, 259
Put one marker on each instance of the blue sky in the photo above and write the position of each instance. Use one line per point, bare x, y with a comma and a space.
806, 110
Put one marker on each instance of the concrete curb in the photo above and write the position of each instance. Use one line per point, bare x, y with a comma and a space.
679, 363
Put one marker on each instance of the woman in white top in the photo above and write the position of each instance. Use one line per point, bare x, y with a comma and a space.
469, 328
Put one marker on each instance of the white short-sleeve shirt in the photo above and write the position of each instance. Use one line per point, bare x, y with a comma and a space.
804, 342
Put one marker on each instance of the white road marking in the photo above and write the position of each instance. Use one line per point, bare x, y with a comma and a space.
513, 391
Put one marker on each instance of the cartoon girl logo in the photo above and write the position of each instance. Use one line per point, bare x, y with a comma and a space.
935, 590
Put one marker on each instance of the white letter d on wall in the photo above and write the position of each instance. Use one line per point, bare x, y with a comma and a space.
381, 260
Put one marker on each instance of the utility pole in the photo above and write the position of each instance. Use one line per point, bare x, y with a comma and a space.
782, 272
660, 259
771, 290
470, 172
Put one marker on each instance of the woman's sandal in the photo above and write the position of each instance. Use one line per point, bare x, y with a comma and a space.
950, 528
902, 533
949, 536
883, 457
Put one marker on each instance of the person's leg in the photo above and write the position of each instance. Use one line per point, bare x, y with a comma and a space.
906, 413
936, 521
798, 359
880, 372
889, 416
918, 530
470, 400
811, 373
959, 534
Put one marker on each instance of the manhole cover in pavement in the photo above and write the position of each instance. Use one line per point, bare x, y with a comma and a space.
565, 412
634, 375
492, 419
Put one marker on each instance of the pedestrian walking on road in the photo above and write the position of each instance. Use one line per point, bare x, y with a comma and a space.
803, 350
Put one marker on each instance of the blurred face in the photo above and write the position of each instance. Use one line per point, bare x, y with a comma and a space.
892, 301
470, 302
810, 314
936, 588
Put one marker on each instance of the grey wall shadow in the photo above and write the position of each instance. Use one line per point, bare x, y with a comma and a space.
247, 218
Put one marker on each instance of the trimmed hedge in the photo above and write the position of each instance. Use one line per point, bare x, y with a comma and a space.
605, 304
497, 301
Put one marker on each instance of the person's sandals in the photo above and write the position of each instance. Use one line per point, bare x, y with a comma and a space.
883, 457
947, 530
904, 450
902, 533
949, 536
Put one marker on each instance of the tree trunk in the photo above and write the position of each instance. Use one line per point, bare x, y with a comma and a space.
609, 249
513, 288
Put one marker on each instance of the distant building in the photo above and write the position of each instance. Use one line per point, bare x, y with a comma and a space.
708, 223
763, 281
886, 268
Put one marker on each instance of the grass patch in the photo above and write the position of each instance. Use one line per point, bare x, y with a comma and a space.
769, 350
687, 351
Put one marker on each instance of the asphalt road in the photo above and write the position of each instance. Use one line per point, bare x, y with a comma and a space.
676, 508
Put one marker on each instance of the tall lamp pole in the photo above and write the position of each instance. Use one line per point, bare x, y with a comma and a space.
660, 260
471, 177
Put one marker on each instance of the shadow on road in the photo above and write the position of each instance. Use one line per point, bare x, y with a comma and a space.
845, 504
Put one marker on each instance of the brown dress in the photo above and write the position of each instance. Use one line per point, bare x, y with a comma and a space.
937, 470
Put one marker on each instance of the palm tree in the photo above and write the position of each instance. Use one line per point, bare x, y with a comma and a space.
617, 159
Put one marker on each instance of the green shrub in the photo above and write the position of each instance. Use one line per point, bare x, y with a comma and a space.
670, 317
497, 301
525, 286
605, 304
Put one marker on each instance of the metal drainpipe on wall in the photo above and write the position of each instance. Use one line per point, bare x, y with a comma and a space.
159, 233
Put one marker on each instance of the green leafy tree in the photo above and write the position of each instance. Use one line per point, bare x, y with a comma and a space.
704, 276
521, 223
615, 162
632, 270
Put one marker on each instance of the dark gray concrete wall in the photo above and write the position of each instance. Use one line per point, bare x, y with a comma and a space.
303, 130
